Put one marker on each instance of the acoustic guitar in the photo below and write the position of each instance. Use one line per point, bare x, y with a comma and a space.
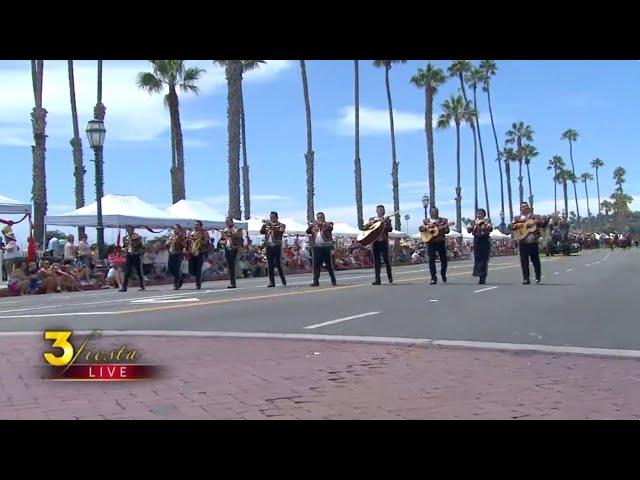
521, 230
432, 231
368, 236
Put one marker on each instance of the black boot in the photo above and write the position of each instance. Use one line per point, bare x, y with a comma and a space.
526, 282
377, 281
433, 281
482, 281
444, 278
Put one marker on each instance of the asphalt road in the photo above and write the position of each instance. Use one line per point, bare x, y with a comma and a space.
586, 300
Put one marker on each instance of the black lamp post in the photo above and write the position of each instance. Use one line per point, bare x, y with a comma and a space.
503, 227
425, 204
96, 133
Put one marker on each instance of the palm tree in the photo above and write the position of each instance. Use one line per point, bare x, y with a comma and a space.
460, 69
621, 203
618, 177
175, 76
474, 78
309, 155
456, 110
247, 65
572, 136
39, 125
562, 177
357, 167
76, 146
431, 79
584, 178
607, 206
508, 155
518, 133
489, 69
597, 164
387, 64
556, 163
529, 152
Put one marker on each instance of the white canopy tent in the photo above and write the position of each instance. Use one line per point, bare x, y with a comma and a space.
117, 211
192, 210
497, 234
344, 229
9, 206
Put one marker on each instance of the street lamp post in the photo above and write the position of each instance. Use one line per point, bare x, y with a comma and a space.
425, 204
407, 217
503, 227
96, 133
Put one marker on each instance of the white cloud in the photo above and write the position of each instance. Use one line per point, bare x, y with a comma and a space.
132, 114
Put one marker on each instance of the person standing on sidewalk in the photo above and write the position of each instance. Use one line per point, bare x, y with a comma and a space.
177, 251
232, 241
273, 231
134, 248
321, 241
199, 246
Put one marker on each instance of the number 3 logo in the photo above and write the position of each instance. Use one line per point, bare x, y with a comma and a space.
61, 340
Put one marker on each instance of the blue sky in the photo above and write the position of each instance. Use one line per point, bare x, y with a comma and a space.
596, 98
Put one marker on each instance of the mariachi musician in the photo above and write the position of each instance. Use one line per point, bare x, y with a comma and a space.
199, 246
480, 229
134, 248
381, 244
321, 241
273, 231
437, 245
232, 241
177, 251
528, 246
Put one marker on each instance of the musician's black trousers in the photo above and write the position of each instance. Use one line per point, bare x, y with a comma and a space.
273, 260
322, 255
440, 248
380, 252
133, 263
481, 252
530, 251
231, 254
196, 268
175, 267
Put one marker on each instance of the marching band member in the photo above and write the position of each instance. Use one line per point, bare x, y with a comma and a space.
528, 246
381, 244
437, 245
480, 229
177, 251
273, 231
232, 241
321, 240
133, 247
199, 246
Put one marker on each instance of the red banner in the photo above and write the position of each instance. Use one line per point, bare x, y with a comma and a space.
116, 372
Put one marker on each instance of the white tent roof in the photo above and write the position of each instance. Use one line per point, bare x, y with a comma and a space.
117, 211
293, 227
342, 228
497, 234
192, 210
9, 206
453, 233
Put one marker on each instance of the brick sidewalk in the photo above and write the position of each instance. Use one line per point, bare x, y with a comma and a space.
228, 378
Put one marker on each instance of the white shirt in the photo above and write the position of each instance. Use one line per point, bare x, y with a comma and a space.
319, 239
16, 253
111, 273
53, 244
69, 251
84, 249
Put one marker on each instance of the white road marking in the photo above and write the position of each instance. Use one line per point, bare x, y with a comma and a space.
434, 300
587, 265
484, 289
338, 320
71, 314
605, 352
556, 273
165, 300
570, 270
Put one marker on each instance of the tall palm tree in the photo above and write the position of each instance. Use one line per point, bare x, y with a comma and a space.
489, 69
387, 64
309, 155
584, 178
431, 79
508, 155
474, 78
39, 125
597, 164
516, 136
621, 203
357, 167
76, 146
563, 177
572, 136
529, 152
456, 110
556, 163
618, 177
247, 65
174, 75
460, 69
607, 206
